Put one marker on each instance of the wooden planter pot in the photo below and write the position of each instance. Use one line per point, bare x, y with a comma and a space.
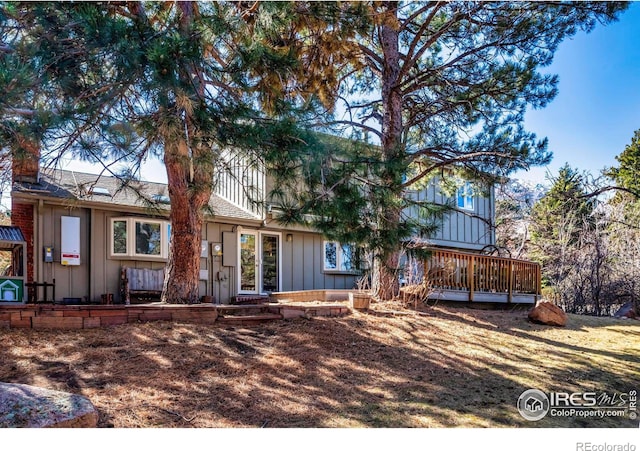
360, 301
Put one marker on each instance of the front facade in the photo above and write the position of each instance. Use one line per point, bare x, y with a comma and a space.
81, 230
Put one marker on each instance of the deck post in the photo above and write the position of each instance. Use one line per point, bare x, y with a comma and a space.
510, 279
538, 283
471, 279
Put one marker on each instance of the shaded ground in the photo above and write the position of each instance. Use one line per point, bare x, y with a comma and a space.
446, 367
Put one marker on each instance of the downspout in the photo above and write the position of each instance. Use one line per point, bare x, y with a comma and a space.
492, 212
37, 252
90, 256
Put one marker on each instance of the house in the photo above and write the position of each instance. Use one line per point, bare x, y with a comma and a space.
81, 230
470, 226
534, 405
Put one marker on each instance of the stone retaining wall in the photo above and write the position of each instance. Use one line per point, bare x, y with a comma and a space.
298, 311
90, 316
311, 295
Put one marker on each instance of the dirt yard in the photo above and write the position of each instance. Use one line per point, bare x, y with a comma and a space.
445, 367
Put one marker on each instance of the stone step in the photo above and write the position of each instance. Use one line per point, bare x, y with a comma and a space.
244, 299
247, 320
242, 310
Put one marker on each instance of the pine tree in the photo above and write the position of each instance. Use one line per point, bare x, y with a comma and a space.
624, 225
626, 178
627, 174
443, 88
558, 221
181, 81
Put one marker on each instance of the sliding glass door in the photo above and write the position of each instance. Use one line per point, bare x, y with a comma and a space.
260, 265
248, 262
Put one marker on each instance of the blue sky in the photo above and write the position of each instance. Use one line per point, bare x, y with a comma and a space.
597, 108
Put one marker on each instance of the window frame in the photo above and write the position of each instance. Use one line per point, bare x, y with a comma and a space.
112, 240
339, 258
464, 195
131, 251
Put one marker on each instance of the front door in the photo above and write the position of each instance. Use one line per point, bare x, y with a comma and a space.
259, 262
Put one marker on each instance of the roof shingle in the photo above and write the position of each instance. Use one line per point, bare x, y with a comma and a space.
62, 184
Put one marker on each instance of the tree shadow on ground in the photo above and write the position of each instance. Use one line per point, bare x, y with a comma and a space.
446, 369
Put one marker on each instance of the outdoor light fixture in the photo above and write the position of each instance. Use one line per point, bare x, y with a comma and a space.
289, 237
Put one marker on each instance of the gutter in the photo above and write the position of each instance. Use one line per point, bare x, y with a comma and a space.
120, 208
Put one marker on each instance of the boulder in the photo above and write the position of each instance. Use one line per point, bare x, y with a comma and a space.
26, 406
626, 311
548, 313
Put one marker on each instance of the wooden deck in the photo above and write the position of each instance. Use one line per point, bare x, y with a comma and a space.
467, 277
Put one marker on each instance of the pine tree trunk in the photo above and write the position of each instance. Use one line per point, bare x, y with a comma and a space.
182, 274
189, 167
385, 276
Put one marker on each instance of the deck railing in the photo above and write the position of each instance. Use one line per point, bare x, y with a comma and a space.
476, 273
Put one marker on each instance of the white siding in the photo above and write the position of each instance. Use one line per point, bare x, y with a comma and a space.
240, 183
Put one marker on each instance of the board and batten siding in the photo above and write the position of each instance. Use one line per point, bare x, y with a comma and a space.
302, 268
98, 273
106, 269
471, 230
71, 281
302, 262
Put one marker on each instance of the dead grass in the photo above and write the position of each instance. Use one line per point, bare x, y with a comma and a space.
445, 367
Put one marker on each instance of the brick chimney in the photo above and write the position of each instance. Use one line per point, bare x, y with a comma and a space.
26, 162
26, 169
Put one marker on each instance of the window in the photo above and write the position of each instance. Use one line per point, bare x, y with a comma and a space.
148, 238
465, 196
339, 257
119, 229
139, 238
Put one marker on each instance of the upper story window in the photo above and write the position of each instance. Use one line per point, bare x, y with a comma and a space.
465, 196
139, 238
339, 257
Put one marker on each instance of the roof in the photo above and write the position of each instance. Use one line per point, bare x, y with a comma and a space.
11, 233
83, 187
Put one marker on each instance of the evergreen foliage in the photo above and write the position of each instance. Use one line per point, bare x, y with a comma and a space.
587, 243
627, 174
442, 89
187, 82
566, 201
558, 220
